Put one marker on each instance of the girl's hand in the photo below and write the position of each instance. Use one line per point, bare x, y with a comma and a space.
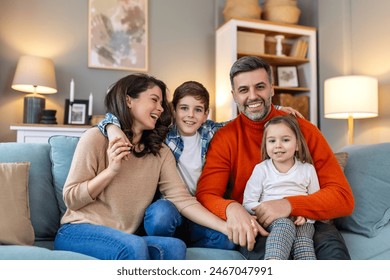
292, 111
117, 151
299, 220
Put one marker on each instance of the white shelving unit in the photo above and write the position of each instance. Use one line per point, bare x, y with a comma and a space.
227, 54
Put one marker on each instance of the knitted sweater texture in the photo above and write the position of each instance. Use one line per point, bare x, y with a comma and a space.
121, 205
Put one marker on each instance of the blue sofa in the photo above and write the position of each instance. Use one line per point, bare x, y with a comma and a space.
49, 165
366, 232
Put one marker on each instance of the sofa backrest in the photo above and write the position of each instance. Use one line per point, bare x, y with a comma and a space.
49, 167
44, 210
367, 172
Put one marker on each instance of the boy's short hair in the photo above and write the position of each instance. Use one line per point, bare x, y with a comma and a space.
194, 89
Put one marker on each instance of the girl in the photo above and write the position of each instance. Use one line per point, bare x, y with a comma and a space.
286, 170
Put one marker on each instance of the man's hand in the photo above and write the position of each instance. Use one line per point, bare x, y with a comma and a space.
269, 211
242, 229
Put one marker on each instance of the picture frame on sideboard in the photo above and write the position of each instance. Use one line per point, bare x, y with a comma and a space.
76, 113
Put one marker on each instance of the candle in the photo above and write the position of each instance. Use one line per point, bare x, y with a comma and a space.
90, 105
71, 99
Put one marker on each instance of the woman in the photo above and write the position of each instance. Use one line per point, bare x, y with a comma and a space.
111, 183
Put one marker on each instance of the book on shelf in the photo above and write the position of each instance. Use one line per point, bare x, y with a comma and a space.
299, 48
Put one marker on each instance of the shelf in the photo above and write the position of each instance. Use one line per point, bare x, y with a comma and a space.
279, 60
291, 90
227, 53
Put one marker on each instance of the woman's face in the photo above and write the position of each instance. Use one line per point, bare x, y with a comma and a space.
146, 109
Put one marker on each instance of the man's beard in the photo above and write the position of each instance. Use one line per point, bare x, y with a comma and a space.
256, 116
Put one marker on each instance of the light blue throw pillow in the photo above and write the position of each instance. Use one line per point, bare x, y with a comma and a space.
368, 172
61, 153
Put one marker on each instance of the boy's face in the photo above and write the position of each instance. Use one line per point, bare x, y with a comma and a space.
190, 114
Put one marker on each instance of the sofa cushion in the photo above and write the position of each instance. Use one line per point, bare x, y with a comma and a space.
361, 247
367, 172
44, 210
15, 223
213, 254
15, 252
342, 158
61, 153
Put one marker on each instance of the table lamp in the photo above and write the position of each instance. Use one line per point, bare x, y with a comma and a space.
351, 97
34, 75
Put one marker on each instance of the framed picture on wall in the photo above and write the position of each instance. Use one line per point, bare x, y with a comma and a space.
287, 76
118, 34
77, 113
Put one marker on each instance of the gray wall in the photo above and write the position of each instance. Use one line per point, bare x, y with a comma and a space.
354, 39
181, 47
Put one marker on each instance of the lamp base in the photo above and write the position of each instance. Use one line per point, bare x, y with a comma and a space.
49, 117
33, 107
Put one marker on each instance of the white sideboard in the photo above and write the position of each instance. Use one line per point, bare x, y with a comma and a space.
40, 133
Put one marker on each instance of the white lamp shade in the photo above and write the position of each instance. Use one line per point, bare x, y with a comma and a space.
351, 96
35, 74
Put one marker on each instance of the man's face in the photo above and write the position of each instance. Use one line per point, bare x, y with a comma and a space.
253, 93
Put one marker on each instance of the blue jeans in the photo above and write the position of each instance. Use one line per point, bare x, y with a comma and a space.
163, 219
107, 243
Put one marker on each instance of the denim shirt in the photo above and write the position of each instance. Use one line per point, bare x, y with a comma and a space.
206, 131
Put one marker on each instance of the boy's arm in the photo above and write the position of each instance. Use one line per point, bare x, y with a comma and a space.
289, 110
108, 119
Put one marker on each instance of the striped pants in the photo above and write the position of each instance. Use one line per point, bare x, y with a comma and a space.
286, 239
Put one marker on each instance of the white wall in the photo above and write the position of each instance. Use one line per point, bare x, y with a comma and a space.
354, 39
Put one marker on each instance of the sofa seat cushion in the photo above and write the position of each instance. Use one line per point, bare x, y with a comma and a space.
44, 212
367, 172
15, 223
213, 254
365, 248
15, 252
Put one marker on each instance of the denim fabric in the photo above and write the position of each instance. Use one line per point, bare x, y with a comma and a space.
110, 244
163, 219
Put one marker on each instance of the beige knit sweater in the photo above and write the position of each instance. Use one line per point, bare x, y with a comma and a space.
122, 204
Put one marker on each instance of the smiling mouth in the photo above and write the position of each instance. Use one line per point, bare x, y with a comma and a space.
255, 105
189, 122
154, 116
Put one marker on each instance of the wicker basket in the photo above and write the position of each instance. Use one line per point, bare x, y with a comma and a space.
284, 14
242, 9
269, 3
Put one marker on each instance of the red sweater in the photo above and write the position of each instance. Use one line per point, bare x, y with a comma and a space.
234, 152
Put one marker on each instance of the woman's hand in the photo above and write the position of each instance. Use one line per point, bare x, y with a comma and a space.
117, 151
114, 132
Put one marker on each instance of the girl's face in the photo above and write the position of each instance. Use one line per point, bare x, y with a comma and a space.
146, 109
189, 115
281, 144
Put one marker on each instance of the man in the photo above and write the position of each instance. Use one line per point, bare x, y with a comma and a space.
234, 152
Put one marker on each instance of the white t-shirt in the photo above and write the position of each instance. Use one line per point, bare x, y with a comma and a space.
267, 183
190, 161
